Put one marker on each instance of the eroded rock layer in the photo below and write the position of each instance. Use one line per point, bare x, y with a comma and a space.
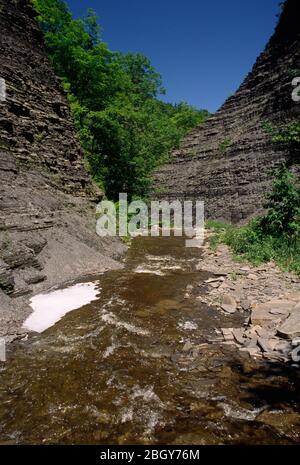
227, 160
47, 200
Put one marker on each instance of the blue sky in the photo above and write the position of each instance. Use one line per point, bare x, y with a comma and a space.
202, 48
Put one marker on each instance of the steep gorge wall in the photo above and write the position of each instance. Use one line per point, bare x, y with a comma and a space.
227, 160
47, 199
36, 128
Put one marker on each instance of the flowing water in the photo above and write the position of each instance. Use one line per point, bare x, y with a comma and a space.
141, 364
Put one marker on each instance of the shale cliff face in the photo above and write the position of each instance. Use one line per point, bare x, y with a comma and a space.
227, 160
47, 200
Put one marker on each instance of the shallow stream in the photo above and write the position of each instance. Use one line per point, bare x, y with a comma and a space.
140, 364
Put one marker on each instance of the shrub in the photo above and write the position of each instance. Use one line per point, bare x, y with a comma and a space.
287, 135
274, 236
283, 204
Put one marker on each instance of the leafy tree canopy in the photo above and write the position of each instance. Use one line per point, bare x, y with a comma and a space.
125, 130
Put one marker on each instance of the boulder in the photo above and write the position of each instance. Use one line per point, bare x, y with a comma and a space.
252, 351
238, 335
252, 343
228, 334
228, 303
290, 329
264, 344
264, 314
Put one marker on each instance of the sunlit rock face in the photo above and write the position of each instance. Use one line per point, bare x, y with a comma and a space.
47, 199
227, 160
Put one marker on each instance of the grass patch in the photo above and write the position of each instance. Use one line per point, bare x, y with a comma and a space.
216, 225
251, 244
274, 236
224, 145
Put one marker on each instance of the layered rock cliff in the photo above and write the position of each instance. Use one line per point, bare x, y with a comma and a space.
227, 160
47, 199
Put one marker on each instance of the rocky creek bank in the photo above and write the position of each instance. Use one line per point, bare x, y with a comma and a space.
269, 296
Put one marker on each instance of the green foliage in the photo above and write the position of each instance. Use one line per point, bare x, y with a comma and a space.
125, 130
248, 243
287, 135
274, 236
294, 72
223, 146
216, 225
283, 204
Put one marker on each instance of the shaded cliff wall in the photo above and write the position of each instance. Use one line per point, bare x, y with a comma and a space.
227, 160
47, 209
36, 128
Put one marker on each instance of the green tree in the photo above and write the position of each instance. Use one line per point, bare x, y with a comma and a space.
125, 130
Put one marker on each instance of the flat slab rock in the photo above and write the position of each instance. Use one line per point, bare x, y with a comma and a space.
263, 314
290, 329
228, 304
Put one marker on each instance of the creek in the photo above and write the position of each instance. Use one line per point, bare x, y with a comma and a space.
141, 364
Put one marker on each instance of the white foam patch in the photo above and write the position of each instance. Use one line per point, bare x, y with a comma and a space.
159, 258
241, 413
143, 270
188, 325
111, 319
49, 308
